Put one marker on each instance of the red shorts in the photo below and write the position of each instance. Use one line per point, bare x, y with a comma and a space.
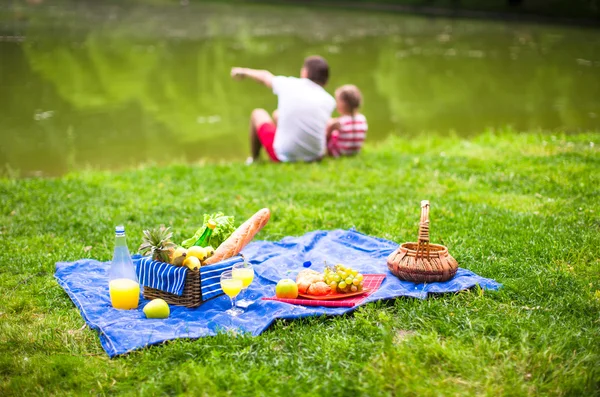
266, 136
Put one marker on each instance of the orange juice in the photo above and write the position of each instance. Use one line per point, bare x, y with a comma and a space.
124, 293
246, 275
231, 286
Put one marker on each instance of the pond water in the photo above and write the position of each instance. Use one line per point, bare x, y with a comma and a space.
108, 86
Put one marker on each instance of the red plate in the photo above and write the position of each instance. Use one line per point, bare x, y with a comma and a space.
334, 296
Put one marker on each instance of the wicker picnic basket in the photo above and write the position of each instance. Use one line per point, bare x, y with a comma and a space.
422, 262
192, 293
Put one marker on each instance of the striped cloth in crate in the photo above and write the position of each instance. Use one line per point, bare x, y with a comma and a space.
169, 278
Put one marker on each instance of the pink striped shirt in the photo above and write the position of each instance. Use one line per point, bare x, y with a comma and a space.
352, 133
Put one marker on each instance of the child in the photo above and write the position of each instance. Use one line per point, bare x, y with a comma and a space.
346, 134
295, 133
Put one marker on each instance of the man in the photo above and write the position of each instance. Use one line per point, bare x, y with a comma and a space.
297, 130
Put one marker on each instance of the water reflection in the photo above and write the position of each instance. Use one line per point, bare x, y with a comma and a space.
110, 87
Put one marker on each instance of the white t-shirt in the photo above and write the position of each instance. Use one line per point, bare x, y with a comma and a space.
304, 108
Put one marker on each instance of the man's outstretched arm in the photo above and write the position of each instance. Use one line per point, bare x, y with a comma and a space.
262, 76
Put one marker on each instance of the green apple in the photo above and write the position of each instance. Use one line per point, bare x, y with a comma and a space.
157, 308
286, 288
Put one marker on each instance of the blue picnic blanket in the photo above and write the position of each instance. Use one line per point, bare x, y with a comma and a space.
121, 331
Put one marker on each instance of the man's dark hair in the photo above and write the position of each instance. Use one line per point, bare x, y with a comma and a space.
317, 69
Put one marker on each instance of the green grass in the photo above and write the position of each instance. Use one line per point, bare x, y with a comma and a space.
522, 209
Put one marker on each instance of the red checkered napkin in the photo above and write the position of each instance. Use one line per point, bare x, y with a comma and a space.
372, 282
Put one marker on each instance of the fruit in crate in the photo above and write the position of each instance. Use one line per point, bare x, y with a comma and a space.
196, 251
158, 243
343, 279
179, 256
179, 251
199, 252
178, 261
286, 288
157, 308
192, 263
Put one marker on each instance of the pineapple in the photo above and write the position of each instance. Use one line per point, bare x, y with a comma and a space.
158, 242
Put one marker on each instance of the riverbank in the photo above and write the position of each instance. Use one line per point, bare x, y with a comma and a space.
519, 208
560, 12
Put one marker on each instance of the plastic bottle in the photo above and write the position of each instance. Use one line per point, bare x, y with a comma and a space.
123, 284
203, 240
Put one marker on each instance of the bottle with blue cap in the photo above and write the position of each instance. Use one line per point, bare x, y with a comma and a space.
123, 283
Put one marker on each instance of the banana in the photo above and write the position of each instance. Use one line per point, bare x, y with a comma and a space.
180, 259
198, 252
192, 263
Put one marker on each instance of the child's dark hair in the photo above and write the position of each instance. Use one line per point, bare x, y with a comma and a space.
351, 96
317, 69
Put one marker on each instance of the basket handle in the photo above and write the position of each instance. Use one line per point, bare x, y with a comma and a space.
423, 244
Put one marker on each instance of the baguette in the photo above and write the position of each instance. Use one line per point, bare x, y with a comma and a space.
240, 237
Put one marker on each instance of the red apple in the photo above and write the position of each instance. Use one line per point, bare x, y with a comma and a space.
286, 288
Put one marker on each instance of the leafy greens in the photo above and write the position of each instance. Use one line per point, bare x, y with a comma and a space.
222, 231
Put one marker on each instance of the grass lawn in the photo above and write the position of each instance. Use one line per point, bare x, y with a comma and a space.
522, 209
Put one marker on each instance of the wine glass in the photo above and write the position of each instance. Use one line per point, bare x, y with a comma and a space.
244, 272
232, 287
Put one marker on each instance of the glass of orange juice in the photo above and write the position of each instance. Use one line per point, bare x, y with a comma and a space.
232, 287
245, 272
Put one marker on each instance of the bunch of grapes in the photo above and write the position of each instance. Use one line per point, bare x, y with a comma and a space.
343, 279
